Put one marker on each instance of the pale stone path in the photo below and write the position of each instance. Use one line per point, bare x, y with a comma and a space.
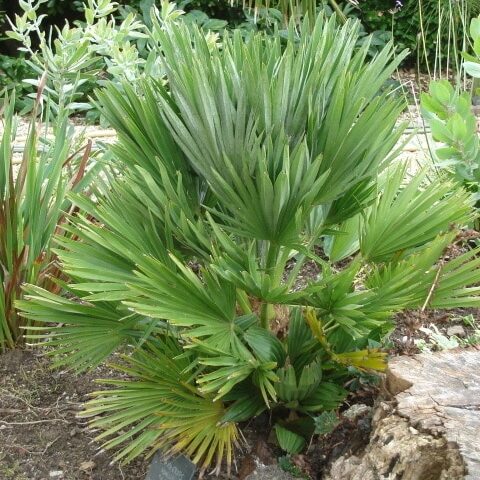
92, 132
415, 152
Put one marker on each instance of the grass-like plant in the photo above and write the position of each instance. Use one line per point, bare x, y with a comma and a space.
259, 152
33, 205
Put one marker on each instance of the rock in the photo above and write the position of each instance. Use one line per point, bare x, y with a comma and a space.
345, 467
396, 452
87, 466
456, 330
357, 410
56, 474
430, 429
269, 472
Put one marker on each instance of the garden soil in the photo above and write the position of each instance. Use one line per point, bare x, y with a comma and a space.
41, 437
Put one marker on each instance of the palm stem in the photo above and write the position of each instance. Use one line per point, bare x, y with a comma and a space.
267, 312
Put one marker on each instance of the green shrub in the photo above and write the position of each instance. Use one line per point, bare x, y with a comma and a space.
226, 185
13, 70
105, 45
449, 113
432, 30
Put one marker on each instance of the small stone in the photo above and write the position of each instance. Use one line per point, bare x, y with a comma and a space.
383, 410
269, 472
174, 468
74, 431
55, 474
456, 330
87, 466
357, 410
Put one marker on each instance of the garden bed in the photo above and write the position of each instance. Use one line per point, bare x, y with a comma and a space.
43, 438
174, 244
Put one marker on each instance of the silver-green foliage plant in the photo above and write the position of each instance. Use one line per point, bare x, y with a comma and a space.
73, 58
448, 110
79, 57
449, 113
228, 183
472, 60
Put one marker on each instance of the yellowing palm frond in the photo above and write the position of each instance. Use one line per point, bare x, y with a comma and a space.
370, 359
162, 409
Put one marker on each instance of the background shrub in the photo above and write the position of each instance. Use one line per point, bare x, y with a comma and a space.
428, 28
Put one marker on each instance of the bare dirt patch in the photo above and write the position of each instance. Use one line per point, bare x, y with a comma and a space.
41, 437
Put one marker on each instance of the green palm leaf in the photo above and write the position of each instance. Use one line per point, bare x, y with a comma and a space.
161, 409
406, 218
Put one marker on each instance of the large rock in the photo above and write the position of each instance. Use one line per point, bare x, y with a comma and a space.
429, 426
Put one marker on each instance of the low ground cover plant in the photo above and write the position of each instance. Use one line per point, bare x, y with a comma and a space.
262, 155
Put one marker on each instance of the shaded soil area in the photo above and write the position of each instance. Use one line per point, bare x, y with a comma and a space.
414, 329
41, 437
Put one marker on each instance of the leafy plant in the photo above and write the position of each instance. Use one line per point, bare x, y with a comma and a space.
288, 441
472, 61
226, 185
326, 422
286, 464
293, 10
474, 337
77, 55
78, 58
449, 113
435, 340
12, 72
33, 202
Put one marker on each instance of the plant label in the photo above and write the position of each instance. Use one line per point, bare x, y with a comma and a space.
173, 468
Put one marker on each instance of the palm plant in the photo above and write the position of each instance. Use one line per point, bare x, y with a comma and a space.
32, 205
228, 183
